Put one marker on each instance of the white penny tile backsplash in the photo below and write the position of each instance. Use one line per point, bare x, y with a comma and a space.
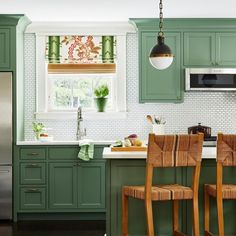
214, 109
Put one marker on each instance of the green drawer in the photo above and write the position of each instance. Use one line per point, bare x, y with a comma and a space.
32, 198
33, 154
33, 173
62, 153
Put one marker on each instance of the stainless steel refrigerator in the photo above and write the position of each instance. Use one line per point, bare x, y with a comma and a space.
5, 145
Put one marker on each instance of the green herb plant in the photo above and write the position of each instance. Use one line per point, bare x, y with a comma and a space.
101, 91
37, 128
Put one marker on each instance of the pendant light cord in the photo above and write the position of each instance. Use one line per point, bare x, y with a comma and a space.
161, 33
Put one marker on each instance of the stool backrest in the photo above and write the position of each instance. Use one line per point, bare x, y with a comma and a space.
226, 149
174, 150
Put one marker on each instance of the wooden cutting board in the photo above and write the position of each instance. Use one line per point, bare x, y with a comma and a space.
129, 149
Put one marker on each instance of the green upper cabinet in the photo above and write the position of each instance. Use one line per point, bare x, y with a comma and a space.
5, 47
209, 49
159, 85
199, 49
226, 49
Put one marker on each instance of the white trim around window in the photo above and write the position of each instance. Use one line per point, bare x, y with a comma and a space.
119, 30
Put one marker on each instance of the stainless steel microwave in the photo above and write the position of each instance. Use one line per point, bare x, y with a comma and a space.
210, 79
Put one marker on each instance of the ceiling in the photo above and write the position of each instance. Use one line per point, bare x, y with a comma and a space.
116, 10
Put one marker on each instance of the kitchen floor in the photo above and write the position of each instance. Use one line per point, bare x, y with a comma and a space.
52, 228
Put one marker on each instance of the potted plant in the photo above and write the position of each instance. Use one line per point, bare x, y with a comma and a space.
101, 93
37, 128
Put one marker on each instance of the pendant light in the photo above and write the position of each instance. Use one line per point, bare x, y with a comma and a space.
161, 56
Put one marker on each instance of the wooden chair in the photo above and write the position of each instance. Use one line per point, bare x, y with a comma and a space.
226, 156
167, 151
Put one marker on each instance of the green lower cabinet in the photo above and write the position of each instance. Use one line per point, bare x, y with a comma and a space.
77, 185
33, 198
33, 173
62, 185
91, 185
159, 85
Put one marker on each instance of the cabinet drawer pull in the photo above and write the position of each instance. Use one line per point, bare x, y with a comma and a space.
33, 165
33, 154
76, 164
32, 190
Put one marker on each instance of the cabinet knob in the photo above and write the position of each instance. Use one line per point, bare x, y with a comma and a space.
217, 63
212, 63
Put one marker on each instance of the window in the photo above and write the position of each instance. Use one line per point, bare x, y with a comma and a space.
68, 70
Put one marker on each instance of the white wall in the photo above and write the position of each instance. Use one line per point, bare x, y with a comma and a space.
116, 10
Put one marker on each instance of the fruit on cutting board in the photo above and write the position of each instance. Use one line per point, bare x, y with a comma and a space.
138, 142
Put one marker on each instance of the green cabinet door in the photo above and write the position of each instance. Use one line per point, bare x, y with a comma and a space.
199, 49
226, 49
159, 85
32, 198
91, 185
5, 39
62, 185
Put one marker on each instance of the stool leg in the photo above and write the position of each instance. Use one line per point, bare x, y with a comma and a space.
195, 216
149, 216
175, 214
220, 216
206, 211
124, 214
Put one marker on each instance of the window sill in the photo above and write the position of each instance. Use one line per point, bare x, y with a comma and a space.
86, 115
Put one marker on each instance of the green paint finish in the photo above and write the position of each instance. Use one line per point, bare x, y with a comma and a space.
226, 49
199, 49
108, 49
62, 185
209, 49
33, 173
91, 185
132, 172
5, 50
33, 153
54, 49
159, 85
32, 197
62, 153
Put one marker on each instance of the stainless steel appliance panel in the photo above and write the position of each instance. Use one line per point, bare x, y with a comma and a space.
6, 118
5, 192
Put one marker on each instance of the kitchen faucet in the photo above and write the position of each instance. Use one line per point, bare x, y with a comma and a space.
79, 132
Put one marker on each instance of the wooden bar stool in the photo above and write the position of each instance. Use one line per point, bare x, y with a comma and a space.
226, 156
167, 151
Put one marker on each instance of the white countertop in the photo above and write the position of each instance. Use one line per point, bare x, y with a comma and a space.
207, 153
72, 142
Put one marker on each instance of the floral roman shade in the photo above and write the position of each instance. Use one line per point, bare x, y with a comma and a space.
81, 54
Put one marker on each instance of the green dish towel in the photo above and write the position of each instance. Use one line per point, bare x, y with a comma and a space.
86, 149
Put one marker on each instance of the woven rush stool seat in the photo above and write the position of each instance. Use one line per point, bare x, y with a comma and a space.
167, 151
228, 190
226, 156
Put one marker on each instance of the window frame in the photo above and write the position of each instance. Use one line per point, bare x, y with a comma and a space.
118, 29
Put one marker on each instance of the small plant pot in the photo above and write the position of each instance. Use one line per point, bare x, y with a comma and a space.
101, 104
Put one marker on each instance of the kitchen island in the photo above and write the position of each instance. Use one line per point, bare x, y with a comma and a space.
128, 168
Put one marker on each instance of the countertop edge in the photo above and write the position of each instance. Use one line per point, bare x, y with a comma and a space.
51, 143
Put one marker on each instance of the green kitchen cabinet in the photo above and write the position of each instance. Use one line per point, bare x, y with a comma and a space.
209, 49
33, 198
6, 46
78, 185
33, 173
62, 185
159, 85
91, 187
